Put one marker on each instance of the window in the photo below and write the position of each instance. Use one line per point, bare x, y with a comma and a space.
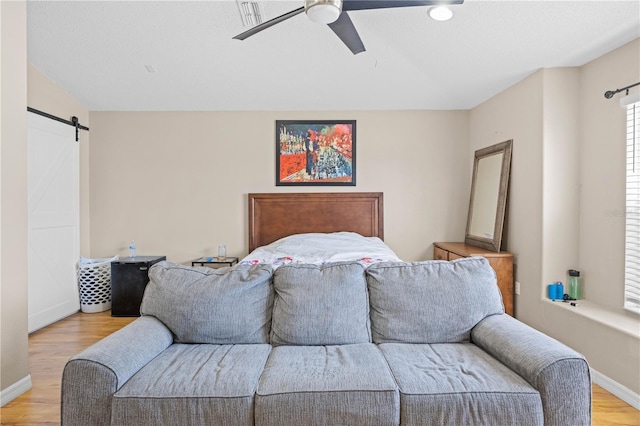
632, 232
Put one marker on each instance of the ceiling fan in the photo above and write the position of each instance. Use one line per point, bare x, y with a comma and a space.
334, 14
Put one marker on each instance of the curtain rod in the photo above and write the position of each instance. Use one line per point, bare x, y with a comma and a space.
74, 120
609, 93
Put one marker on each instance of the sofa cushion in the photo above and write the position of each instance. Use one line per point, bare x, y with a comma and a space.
459, 384
320, 305
431, 302
327, 385
193, 385
205, 305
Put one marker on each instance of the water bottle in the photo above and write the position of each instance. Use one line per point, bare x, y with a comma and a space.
575, 286
132, 249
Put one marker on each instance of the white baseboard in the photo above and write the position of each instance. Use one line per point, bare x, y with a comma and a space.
15, 390
610, 385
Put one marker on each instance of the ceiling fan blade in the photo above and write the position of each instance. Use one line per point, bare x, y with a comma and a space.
388, 4
268, 24
344, 29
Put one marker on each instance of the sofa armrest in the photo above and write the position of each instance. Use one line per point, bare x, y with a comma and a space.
559, 373
90, 378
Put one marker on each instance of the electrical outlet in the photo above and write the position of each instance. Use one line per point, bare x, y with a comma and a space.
517, 288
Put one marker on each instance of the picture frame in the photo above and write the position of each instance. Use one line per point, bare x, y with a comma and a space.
315, 152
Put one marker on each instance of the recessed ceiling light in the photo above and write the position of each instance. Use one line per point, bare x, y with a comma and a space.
440, 13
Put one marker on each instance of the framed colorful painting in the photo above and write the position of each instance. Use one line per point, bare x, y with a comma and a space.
316, 152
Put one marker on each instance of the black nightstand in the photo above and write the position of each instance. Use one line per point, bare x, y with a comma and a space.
213, 262
129, 278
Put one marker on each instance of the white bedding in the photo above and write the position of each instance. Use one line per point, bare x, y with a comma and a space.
319, 248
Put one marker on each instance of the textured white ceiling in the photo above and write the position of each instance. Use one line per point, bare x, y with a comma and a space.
97, 52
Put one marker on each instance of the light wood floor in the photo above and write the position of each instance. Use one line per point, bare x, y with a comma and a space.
50, 348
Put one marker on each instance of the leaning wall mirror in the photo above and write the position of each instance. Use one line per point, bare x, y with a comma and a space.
488, 199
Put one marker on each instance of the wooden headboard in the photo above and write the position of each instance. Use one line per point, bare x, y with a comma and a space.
276, 215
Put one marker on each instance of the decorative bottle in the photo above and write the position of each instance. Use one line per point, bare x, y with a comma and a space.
132, 249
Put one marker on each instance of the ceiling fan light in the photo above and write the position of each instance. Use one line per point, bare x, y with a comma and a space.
440, 13
323, 11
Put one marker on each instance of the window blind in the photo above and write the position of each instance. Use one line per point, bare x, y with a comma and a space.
632, 230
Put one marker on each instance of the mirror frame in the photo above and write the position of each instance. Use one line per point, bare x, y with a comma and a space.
494, 243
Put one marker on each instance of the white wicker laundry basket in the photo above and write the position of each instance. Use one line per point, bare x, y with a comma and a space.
94, 281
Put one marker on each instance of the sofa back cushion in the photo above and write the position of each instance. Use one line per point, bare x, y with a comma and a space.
205, 305
320, 305
431, 302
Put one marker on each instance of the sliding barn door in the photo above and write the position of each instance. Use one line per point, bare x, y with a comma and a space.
54, 220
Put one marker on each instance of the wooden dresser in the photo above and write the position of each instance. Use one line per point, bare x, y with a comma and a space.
501, 262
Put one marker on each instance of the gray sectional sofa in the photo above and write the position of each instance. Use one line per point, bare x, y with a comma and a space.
396, 343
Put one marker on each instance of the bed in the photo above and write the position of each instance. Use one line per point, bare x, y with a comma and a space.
316, 228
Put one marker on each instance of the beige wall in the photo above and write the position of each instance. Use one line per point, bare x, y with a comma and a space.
567, 171
176, 182
560, 180
517, 114
14, 362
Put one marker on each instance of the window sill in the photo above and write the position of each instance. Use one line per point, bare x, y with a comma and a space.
625, 323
